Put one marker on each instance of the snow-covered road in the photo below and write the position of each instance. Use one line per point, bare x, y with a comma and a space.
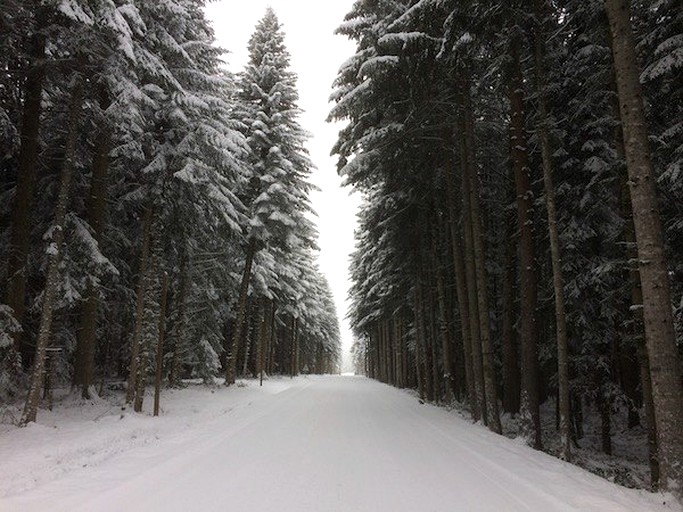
325, 444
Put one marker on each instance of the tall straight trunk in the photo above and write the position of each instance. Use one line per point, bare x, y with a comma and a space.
511, 375
143, 283
249, 340
270, 317
261, 339
87, 336
241, 313
179, 341
471, 280
649, 409
558, 287
160, 345
270, 334
638, 324
433, 345
529, 399
461, 293
444, 329
391, 335
148, 314
424, 344
398, 340
419, 339
470, 176
27, 171
641, 348
297, 352
294, 356
665, 370
54, 251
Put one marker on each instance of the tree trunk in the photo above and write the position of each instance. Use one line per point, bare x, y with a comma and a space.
140, 303
264, 318
444, 329
471, 280
27, 170
241, 313
436, 374
160, 344
649, 409
148, 327
419, 339
529, 399
558, 287
637, 323
295, 347
461, 293
179, 344
87, 337
249, 339
665, 371
55, 239
511, 376
471, 179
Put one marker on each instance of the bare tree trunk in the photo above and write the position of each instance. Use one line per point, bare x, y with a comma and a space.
529, 400
148, 327
419, 339
241, 313
179, 344
54, 251
665, 371
511, 376
638, 325
426, 354
471, 179
444, 329
436, 374
140, 303
84, 374
471, 280
160, 344
264, 318
249, 340
558, 287
27, 170
648, 406
462, 297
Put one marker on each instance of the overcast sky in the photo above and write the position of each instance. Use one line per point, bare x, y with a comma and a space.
316, 54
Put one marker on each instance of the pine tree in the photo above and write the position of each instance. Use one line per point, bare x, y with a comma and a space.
276, 188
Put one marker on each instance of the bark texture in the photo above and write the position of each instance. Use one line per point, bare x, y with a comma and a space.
529, 399
665, 371
543, 131
241, 314
54, 251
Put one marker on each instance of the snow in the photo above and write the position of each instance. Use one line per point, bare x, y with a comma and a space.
337, 443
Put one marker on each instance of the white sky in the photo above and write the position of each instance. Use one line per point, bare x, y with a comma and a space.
316, 54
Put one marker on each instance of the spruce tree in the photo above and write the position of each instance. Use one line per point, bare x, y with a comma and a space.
276, 187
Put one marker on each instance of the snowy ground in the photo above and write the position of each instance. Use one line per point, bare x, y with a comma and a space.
320, 444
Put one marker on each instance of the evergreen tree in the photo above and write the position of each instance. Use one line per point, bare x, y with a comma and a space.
276, 188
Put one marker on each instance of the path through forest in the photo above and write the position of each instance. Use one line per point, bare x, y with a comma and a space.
328, 444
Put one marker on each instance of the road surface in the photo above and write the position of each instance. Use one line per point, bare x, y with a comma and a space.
332, 444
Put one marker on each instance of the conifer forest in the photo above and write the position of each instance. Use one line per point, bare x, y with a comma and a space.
521, 237
518, 250
155, 208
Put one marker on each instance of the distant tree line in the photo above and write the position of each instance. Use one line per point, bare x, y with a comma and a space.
522, 233
155, 209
